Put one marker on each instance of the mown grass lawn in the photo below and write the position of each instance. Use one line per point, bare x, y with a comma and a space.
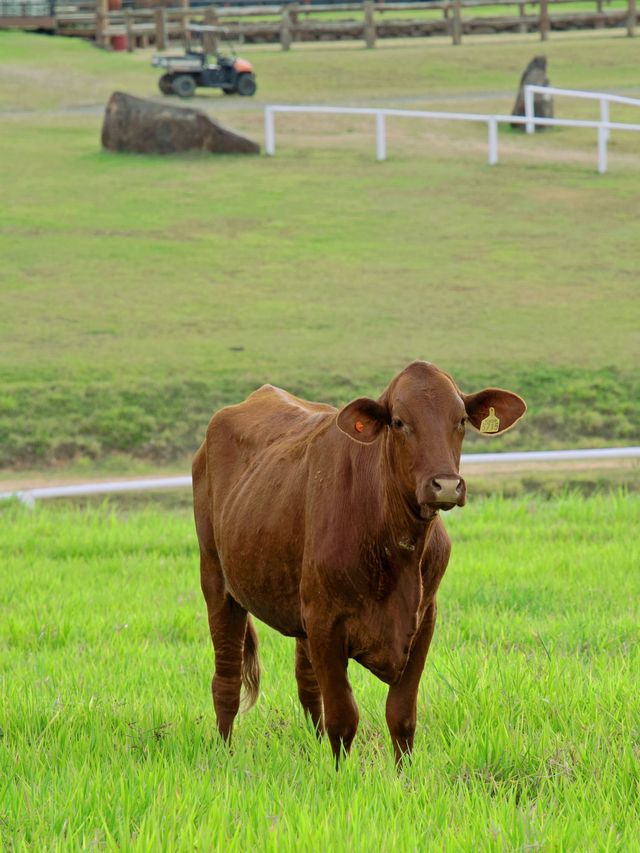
140, 293
42, 73
528, 712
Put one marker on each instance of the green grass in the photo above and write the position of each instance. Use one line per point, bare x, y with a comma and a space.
42, 73
391, 14
140, 293
528, 711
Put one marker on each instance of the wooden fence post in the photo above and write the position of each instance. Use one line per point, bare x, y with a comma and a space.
632, 15
102, 22
160, 15
522, 27
369, 24
210, 40
285, 29
131, 39
457, 23
544, 20
184, 4
599, 22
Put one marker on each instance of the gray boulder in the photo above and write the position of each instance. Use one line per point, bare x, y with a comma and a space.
535, 73
145, 127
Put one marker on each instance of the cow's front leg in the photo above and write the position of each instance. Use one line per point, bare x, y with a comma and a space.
403, 695
308, 687
328, 649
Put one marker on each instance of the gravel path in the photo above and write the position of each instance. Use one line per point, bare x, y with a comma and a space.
211, 104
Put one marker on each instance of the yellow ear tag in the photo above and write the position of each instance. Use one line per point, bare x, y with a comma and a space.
491, 423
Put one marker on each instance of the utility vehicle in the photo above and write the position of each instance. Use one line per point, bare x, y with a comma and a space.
183, 74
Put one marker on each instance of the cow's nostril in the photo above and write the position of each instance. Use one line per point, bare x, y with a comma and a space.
447, 489
447, 484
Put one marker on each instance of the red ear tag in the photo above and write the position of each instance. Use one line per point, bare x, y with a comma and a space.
359, 426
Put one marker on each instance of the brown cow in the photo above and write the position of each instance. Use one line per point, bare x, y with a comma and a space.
324, 524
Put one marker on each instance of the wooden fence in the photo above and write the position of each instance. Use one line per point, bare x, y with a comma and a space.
293, 22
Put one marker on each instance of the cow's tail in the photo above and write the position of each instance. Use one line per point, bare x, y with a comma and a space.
250, 667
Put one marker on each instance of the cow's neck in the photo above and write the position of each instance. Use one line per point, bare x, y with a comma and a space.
395, 526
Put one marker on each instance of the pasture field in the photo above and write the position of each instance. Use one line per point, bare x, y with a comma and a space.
528, 732
42, 73
140, 293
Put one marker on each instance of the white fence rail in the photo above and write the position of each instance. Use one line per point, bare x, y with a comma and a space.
30, 496
602, 97
492, 121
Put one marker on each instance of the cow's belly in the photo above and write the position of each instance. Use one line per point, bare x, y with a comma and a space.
381, 637
270, 592
259, 537
386, 667
386, 655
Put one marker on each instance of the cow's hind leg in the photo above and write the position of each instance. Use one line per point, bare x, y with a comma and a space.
234, 639
227, 624
308, 687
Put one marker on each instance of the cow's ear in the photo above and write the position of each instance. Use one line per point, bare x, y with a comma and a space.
493, 410
363, 419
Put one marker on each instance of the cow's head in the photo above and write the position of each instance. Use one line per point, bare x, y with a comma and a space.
422, 417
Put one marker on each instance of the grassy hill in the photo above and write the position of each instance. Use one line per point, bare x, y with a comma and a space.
140, 293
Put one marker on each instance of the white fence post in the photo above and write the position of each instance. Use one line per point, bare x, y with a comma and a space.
528, 109
602, 149
381, 142
269, 132
604, 113
492, 125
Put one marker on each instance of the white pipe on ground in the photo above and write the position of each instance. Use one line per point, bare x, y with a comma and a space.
30, 496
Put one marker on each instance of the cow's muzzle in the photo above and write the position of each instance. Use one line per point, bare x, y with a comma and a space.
442, 493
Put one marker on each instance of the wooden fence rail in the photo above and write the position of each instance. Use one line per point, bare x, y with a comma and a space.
295, 22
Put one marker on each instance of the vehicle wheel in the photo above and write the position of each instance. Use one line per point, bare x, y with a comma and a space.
246, 84
165, 84
184, 85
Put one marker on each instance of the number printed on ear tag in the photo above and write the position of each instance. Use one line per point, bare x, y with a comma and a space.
491, 423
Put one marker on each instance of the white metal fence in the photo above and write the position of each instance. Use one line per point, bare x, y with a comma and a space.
30, 496
603, 98
603, 128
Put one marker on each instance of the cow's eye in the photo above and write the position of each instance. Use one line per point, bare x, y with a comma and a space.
463, 422
396, 423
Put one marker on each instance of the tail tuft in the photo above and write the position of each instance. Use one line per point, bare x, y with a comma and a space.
250, 667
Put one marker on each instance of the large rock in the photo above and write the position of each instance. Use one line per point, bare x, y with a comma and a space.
535, 73
145, 127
